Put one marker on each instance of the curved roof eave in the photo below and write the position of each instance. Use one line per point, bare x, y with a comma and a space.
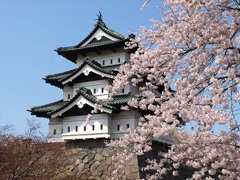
56, 79
44, 110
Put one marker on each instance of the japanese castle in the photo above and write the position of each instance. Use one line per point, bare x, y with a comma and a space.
97, 59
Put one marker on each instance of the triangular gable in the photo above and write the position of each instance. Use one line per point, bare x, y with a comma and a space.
99, 36
85, 69
97, 41
80, 101
101, 30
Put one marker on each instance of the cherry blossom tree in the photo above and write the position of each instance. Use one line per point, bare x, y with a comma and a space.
186, 67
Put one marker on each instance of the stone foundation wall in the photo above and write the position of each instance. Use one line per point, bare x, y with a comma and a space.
91, 159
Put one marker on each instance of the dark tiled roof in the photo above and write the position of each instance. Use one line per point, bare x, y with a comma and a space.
57, 79
70, 51
49, 109
120, 100
60, 76
113, 68
89, 46
44, 110
101, 25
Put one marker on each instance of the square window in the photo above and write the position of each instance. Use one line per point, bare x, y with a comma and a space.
69, 129
76, 128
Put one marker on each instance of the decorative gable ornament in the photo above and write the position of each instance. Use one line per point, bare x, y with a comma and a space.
86, 71
81, 102
99, 36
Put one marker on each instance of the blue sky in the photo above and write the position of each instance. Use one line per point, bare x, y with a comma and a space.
30, 31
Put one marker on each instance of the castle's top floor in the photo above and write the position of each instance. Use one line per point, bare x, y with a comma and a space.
101, 41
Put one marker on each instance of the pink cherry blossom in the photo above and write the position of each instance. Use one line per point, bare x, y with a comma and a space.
192, 53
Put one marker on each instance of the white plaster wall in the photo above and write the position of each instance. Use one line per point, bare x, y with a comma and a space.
126, 90
57, 124
96, 120
98, 85
111, 59
106, 57
127, 57
122, 119
133, 89
67, 90
109, 123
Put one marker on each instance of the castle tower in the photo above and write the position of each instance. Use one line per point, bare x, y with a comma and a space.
97, 59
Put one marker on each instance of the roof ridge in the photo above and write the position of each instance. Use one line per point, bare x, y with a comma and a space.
98, 66
89, 60
85, 90
113, 32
